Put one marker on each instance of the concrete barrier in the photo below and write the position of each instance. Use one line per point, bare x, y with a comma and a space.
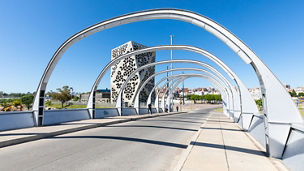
257, 129
128, 111
143, 111
16, 120
52, 117
293, 156
105, 112
154, 110
25, 119
240, 121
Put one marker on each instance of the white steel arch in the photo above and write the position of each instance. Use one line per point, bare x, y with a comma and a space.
136, 104
222, 80
170, 91
215, 82
277, 102
176, 76
233, 94
248, 105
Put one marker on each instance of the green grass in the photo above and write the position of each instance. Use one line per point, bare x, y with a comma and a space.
104, 107
302, 112
58, 106
219, 110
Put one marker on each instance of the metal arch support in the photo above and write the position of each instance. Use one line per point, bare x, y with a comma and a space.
219, 85
163, 103
169, 78
119, 98
227, 83
234, 94
156, 85
248, 105
213, 81
192, 75
277, 102
182, 15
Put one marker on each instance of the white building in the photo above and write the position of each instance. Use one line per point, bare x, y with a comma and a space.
299, 90
255, 93
121, 71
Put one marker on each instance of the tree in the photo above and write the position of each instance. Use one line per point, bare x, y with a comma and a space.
75, 98
48, 103
301, 94
63, 95
259, 103
293, 93
27, 100
17, 102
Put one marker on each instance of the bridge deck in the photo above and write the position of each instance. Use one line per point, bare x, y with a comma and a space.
13, 137
164, 143
222, 145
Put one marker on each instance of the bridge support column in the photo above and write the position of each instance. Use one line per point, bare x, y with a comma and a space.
137, 104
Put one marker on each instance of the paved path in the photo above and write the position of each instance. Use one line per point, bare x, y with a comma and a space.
221, 145
18, 136
149, 144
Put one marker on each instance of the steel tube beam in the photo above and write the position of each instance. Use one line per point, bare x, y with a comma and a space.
247, 103
213, 81
149, 101
169, 78
233, 96
221, 87
119, 99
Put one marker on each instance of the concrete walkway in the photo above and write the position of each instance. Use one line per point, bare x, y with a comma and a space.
13, 137
222, 145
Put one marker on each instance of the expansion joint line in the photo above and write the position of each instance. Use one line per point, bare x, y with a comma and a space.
226, 156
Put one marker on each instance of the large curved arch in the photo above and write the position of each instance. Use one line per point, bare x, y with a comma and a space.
219, 82
277, 101
220, 76
248, 105
227, 83
214, 82
186, 76
118, 104
136, 104
169, 78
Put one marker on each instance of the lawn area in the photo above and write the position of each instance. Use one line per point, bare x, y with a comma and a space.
219, 110
58, 106
302, 112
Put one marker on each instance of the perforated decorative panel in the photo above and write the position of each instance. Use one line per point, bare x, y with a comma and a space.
123, 69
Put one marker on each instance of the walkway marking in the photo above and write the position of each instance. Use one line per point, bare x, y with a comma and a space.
225, 149
186, 153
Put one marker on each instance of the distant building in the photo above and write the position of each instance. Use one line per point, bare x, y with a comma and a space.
198, 91
299, 90
102, 96
121, 71
255, 93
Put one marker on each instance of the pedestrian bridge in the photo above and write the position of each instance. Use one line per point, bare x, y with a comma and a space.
279, 129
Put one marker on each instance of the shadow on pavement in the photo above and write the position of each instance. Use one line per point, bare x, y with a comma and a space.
151, 126
127, 139
170, 120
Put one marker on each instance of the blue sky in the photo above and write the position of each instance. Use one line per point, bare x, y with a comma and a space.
32, 30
